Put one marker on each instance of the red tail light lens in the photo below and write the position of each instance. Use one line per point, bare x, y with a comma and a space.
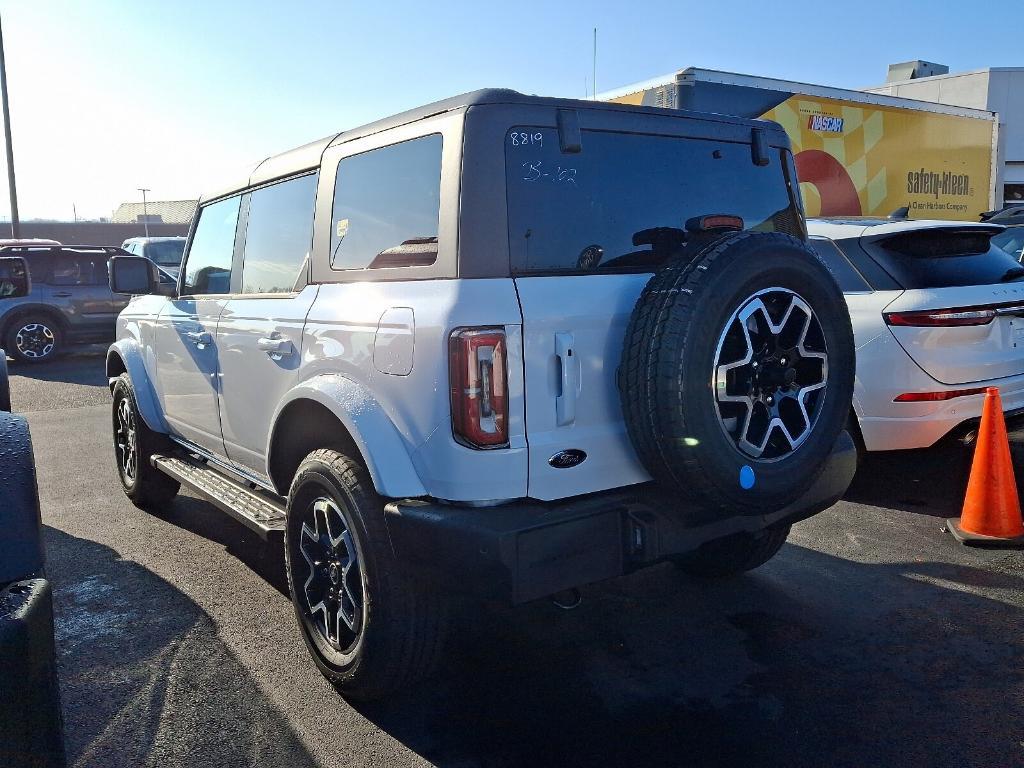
479, 387
942, 318
932, 397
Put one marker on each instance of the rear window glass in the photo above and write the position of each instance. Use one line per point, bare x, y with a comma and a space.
386, 206
166, 253
944, 258
623, 202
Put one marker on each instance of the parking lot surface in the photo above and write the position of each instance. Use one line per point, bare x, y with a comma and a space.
872, 639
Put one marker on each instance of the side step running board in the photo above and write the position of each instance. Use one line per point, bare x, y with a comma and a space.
252, 508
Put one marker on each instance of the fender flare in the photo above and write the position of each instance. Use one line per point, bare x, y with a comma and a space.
130, 353
27, 308
374, 434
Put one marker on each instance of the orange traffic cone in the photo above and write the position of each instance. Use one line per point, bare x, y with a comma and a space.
991, 515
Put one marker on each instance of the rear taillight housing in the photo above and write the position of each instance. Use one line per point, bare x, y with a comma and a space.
479, 387
942, 318
937, 397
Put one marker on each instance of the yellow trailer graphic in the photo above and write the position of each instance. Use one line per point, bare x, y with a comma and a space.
857, 154
855, 159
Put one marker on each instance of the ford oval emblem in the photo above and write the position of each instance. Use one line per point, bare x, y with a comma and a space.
572, 457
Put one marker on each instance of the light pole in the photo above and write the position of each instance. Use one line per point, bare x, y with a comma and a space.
15, 224
145, 211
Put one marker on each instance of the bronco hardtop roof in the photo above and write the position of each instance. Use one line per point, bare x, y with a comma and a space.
307, 157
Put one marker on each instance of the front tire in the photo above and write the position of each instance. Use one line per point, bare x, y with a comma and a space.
369, 629
732, 555
34, 338
134, 444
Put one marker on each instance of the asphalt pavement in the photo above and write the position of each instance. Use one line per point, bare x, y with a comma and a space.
871, 639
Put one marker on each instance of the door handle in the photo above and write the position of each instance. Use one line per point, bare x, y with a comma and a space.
199, 338
565, 403
275, 345
62, 295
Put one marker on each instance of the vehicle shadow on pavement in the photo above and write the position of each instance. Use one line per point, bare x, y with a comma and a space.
145, 679
928, 482
813, 660
79, 367
198, 516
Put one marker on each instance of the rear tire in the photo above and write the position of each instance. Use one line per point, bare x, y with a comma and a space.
370, 629
34, 338
134, 444
732, 555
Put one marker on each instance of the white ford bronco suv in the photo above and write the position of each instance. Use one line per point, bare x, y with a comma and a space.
500, 345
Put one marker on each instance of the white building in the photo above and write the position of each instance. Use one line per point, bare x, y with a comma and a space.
996, 89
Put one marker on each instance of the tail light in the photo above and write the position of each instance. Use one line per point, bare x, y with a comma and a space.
942, 318
479, 387
934, 397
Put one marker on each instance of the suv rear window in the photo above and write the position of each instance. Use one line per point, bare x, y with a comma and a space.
944, 258
166, 253
586, 212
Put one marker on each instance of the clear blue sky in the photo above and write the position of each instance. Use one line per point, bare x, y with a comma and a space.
110, 95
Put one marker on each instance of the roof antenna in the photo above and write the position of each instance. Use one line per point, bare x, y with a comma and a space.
594, 79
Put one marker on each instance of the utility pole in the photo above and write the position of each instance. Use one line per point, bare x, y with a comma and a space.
145, 211
15, 224
593, 82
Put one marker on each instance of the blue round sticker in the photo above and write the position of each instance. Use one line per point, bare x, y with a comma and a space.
746, 477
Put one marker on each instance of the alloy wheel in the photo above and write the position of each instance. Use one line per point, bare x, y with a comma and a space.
770, 372
333, 590
126, 441
34, 340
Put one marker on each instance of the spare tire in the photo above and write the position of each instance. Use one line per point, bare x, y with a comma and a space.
737, 373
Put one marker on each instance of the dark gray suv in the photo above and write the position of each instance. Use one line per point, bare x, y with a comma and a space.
70, 301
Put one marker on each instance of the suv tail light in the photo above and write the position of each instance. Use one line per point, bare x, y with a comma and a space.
937, 397
479, 387
942, 318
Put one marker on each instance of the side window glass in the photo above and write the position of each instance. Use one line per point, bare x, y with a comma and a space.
846, 275
208, 269
66, 270
78, 269
386, 206
278, 235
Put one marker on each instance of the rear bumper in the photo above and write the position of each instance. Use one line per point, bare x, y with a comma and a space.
905, 426
527, 550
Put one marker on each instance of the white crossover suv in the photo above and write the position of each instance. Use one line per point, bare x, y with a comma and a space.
500, 345
938, 316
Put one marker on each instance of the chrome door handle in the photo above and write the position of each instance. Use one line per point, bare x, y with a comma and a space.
199, 338
275, 345
565, 403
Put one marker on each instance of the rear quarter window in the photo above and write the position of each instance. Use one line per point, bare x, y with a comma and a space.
589, 211
387, 204
849, 279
